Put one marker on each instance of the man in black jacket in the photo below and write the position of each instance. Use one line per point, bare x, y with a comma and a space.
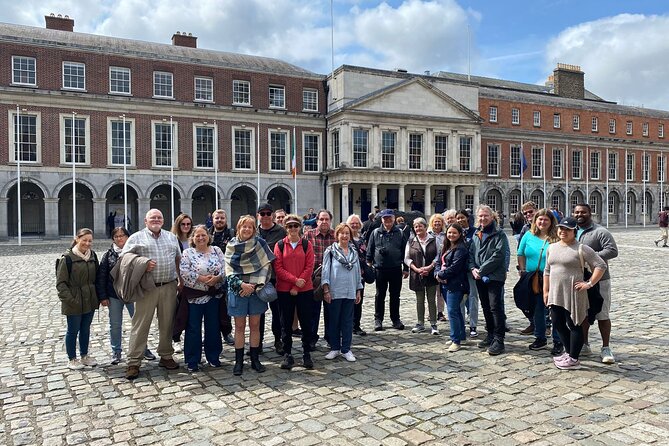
221, 235
386, 252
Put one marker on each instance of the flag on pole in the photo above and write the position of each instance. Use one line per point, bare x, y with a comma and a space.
293, 158
523, 160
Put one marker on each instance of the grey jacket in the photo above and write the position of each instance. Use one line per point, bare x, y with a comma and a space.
601, 241
131, 280
490, 256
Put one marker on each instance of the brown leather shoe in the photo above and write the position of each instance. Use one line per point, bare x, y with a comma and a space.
132, 372
168, 363
527, 331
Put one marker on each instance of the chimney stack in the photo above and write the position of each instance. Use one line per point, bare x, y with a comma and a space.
569, 81
183, 39
59, 23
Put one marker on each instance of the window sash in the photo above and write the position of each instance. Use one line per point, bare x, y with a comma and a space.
613, 166
241, 92
594, 165
242, 149
629, 168
204, 89
335, 148
78, 138
646, 168
119, 80
595, 124
441, 152
537, 118
465, 153
515, 168
493, 114
644, 129
311, 152
576, 122
310, 100
74, 75
278, 151
537, 162
493, 160
576, 157
204, 147
388, 143
557, 163
612, 125
26, 137
515, 116
117, 136
415, 151
556, 121
24, 71
163, 144
629, 127
277, 97
360, 147
162, 85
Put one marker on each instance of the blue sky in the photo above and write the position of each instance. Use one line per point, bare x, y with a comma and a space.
621, 46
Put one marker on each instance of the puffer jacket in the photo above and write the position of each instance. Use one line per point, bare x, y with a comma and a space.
76, 290
104, 284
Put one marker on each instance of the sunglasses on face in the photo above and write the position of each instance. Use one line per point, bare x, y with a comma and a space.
292, 225
264, 214
185, 224
528, 212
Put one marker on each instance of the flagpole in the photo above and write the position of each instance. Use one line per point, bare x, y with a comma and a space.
566, 177
125, 179
216, 164
172, 168
522, 190
18, 170
258, 155
608, 173
294, 167
626, 190
74, 175
587, 174
543, 174
644, 174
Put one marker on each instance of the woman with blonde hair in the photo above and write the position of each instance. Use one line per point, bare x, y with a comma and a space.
437, 228
182, 228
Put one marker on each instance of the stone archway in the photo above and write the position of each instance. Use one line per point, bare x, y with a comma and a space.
575, 198
596, 204
204, 202
557, 201
160, 199
613, 207
493, 198
32, 210
83, 206
115, 207
537, 196
244, 201
279, 198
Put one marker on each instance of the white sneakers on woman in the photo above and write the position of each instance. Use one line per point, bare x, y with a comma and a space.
332, 354
89, 361
78, 364
349, 356
75, 364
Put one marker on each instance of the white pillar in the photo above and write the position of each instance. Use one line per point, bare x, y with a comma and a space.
477, 192
343, 210
143, 206
375, 196
428, 200
401, 199
330, 199
186, 205
226, 205
51, 218
99, 218
4, 218
451, 197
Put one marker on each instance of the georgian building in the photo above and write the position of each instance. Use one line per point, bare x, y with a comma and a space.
221, 125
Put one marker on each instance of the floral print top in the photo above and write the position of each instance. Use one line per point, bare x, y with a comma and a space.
195, 263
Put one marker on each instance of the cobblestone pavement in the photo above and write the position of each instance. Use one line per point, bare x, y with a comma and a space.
404, 389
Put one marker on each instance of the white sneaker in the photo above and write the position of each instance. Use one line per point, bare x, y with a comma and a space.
453, 347
75, 364
586, 350
332, 354
418, 328
89, 361
607, 356
348, 356
434, 330
177, 347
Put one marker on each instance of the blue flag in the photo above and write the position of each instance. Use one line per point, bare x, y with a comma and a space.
523, 161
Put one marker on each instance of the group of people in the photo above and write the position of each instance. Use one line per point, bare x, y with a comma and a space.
204, 281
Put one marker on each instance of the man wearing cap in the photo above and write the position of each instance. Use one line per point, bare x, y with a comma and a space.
271, 233
385, 251
601, 241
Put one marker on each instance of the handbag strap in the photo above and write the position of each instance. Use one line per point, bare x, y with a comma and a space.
540, 254
580, 255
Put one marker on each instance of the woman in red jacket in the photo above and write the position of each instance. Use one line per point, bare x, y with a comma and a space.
293, 266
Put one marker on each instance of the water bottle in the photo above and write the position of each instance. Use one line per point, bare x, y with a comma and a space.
485, 279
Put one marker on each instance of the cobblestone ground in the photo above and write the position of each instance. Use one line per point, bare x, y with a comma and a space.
404, 389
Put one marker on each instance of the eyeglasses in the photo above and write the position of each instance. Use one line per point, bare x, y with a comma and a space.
185, 224
118, 236
292, 225
528, 212
264, 214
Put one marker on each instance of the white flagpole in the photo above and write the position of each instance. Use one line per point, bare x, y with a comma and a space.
125, 179
644, 173
216, 164
172, 168
522, 154
626, 198
566, 177
74, 174
587, 174
543, 174
608, 172
295, 177
18, 170
258, 161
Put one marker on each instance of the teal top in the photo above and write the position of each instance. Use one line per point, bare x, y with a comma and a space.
530, 248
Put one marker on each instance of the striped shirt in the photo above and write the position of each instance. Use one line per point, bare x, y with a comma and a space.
164, 250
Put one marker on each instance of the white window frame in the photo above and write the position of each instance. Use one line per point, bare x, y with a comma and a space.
646, 165
612, 126
660, 130
11, 143
167, 75
336, 148
394, 147
272, 92
661, 168
197, 90
594, 126
469, 157
612, 166
536, 118
515, 116
252, 148
515, 161
119, 70
287, 150
174, 140
353, 147
306, 101
630, 166
110, 138
556, 121
539, 152
574, 165
417, 151
558, 162
576, 122
644, 129
493, 162
34, 71
319, 151
197, 126
77, 65
595, 174
87, 139
629, 127
445, 156
492, 112
236, 83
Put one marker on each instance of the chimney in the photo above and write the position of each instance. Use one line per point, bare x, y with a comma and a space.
183, 39
569, 81
59, 23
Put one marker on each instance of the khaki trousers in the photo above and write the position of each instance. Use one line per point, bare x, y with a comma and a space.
163, 301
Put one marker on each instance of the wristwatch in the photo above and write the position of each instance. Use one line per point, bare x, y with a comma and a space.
589, 283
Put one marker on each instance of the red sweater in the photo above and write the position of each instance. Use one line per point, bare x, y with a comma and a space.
293, 264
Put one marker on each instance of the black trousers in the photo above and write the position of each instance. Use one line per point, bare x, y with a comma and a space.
571, 335
303, 302
490, 295
388, 278
357, 312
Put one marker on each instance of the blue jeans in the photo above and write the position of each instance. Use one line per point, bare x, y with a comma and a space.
455, 317
213, 345
116, 321
79, 325
471, 304
340, 324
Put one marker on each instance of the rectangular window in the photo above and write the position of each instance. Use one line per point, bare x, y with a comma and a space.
612, 204
121, 142
660, 168
612, 125
613, 166
556, 121
555, 201
119, 80
360, 146
515, 116
24, 71
629, 167
311, 152
491, 200
75, 140
162, 85
594, 204
440, 152
241, 92
163, 145
594, 165
514, 203
74, 75
575, 199
242, 149
660, 130
515, 161
469, 201
25, 138
595, 124
646, 168
493, 160
576, 157
576, 122
204, 147
557, 162
335, 148
465, 153
628, 205
493, 114
277, 151
644, 129
415, 151
388, 140
537, 162
537, 118
628, 128
310, 99
277, 96
204, 89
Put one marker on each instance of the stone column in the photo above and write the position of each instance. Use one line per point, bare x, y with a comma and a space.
51, 218
401, 198
330, 199
226, 205
343, 210
375, 196
4, 217
428, 200
99, 217
477, 199
186, 205
143, 206
451, 197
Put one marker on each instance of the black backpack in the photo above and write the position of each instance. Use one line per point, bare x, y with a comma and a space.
305, 245
68, 262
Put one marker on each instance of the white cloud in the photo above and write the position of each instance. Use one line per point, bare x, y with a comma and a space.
623, 57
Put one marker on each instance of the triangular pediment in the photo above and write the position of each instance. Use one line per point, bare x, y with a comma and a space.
413, 97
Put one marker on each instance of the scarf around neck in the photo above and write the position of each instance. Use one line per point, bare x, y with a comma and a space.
251, 258
347, 260
76, 252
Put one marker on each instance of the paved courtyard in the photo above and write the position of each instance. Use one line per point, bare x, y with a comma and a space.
404, 389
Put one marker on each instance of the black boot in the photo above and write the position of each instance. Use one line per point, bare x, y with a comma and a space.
255, 361
239, 362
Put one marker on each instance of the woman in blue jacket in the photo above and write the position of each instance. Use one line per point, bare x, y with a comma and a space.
451, 272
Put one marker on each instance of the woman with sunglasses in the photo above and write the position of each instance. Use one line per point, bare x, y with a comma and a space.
182, 229
293, 266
